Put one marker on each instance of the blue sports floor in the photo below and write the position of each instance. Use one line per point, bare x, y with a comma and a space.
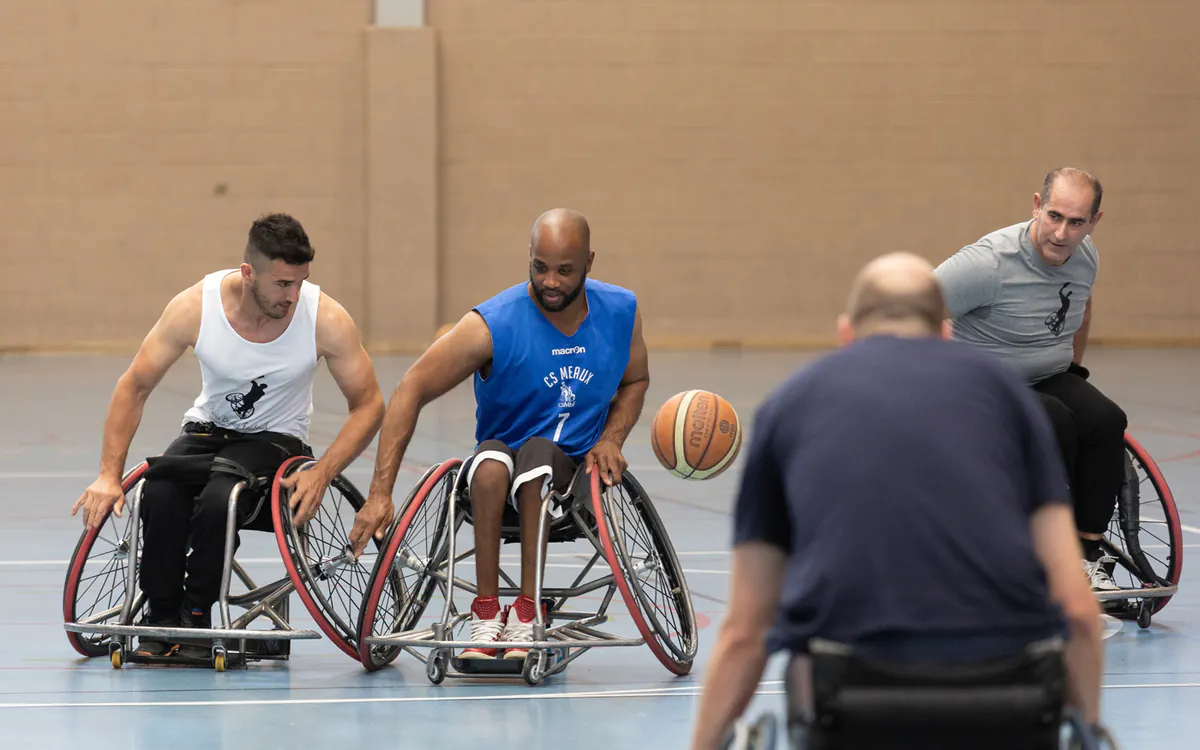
53, 408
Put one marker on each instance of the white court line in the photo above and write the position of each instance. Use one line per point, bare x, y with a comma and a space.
689, 691
1192, 529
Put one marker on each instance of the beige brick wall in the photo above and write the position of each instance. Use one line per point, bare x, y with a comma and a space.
739, 160
139, 139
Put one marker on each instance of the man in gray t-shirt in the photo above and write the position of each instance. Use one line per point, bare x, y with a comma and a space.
1024, 294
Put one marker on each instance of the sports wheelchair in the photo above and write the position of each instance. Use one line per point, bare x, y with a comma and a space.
102, 598
620, 523
841, 698
1145, 539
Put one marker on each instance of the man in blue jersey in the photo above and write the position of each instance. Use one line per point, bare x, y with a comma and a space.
560, 373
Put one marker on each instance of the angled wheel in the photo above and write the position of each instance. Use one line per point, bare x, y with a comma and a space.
98, 571
401, 584
329, 581
647, 571
1146, 526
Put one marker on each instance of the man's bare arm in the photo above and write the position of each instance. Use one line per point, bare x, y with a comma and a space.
339, 342
1056, 544
175, 330
740, 654
631, 393
449, 361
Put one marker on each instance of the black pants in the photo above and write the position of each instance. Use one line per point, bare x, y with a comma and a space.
177, 511
1091, 436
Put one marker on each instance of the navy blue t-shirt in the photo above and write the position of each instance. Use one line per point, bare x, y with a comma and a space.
900, 475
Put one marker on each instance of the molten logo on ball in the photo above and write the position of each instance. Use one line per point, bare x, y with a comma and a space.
699, 423
695, 435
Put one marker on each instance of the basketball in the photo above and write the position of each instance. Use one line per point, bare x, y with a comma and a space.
696, 435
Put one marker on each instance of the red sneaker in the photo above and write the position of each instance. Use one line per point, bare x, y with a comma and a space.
487, 622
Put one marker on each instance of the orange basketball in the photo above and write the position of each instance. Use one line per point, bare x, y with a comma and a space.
696, 435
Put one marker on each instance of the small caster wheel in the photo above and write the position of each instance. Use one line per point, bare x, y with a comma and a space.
219, 659
115, 655
533, 670
435, 666
1144, 614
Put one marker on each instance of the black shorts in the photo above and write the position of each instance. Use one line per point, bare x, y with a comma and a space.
538, 459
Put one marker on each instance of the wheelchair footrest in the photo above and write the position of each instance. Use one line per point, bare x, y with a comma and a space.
233, 660
1149, 592
488, 666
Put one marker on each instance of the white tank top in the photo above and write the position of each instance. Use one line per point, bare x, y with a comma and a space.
252, 387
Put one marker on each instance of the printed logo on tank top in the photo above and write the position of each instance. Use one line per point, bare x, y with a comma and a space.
243, 403
568, 378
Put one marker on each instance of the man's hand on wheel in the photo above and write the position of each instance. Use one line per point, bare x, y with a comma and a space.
308, 489
371, 521
606, 457
97, 499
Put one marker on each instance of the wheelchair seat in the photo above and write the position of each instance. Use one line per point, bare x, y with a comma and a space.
865, 702
197, 468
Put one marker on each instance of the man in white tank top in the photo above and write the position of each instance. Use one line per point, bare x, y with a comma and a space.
259, 332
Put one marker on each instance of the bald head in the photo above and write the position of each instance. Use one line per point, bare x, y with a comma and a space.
561, 229
896, 293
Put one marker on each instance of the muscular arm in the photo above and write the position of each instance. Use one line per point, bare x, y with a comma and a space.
1081, 336
175, 330
631, 393
449, 361
339, 342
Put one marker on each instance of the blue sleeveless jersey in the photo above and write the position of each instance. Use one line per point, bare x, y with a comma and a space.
544, 383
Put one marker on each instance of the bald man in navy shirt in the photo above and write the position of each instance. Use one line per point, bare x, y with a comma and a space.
903, 495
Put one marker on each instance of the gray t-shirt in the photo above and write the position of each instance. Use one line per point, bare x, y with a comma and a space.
1006, 299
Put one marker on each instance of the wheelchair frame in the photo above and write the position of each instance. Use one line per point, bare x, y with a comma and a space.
234, 643
1123, 543
565, 642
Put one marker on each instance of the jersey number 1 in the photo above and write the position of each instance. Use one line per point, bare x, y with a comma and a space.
562, 420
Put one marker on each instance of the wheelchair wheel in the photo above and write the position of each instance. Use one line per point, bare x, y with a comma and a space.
97, 573
647, 571
416, 544
329, 581
1146, 527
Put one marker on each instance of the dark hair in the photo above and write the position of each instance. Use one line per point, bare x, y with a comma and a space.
278, 237
1080, 176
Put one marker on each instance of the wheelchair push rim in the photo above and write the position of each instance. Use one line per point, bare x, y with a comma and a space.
660, 603
332, 585
410, 599
1159, 530
96, 644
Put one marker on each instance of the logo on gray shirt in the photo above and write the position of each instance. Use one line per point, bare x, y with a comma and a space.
1056, 320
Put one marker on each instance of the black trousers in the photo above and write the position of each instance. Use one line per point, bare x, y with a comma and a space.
1091, 436
180, 512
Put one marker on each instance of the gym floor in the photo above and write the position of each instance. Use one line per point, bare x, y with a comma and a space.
53, 409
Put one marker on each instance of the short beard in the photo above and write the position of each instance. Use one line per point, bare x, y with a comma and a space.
539, 295
263, 305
